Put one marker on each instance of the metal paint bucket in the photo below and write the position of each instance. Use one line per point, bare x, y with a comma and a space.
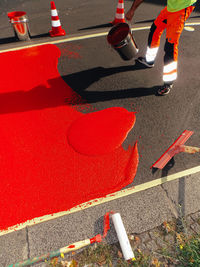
122, 41
19, 21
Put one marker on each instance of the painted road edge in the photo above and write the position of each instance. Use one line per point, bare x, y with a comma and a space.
110, 197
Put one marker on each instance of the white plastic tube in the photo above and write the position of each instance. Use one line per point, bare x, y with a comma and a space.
122, 237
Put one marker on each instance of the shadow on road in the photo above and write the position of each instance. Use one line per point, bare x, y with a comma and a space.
14, 39
166, 169
93, 97
8, 40
55, 92
97, 27
40, 35
80, 81
144, 21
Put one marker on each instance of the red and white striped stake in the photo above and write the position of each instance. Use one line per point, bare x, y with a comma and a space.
55, 22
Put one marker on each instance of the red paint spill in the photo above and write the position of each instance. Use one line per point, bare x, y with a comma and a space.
101, 132
40, 171
70, 51
134, 108
97, 238
85, 108
71, 246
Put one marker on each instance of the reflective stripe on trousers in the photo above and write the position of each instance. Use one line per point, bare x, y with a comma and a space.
170, 72
173, 22
151, 54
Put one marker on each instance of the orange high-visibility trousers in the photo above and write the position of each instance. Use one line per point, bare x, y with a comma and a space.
173, 22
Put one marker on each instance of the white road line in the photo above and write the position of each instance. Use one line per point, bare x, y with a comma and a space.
108, 198
78, 38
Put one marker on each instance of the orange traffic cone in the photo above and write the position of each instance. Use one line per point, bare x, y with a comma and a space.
55, 22
119, 16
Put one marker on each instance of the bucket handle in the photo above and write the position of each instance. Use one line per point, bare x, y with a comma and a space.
125, 42
129, 23
130, 26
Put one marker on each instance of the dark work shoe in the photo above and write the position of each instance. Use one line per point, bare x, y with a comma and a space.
165, 89
143, 61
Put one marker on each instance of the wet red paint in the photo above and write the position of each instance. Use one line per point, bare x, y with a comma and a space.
41, 173
118, 34
101, 132
70, 51
97, 238
134, 108
71, 246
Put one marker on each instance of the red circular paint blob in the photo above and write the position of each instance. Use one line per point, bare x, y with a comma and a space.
101, 132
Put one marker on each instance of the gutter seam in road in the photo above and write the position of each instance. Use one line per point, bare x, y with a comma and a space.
27, 241
172, 204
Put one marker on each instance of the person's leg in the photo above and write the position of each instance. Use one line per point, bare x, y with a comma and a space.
156, 31
175, 25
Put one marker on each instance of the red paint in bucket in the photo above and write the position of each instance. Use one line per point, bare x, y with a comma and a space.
122, 41
16, 14
118, 34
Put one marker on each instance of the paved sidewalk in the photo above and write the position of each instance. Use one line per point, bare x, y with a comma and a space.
141, 213
162, 237
150, 243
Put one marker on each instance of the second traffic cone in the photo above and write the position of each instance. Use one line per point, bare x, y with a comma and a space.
55, 22
119, 16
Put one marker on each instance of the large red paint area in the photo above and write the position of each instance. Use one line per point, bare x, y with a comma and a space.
100, 132
52, 156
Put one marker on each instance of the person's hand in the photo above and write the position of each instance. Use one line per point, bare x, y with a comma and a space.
129, 15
